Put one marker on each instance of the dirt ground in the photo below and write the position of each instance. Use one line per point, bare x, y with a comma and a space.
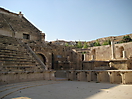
65, 90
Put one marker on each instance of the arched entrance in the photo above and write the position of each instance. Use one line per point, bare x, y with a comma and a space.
93, 53
42, 58
121, 49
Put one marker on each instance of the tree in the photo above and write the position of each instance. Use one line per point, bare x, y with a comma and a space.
126, 39
107, 42
66, 44
97, 43
79, 45
85, 45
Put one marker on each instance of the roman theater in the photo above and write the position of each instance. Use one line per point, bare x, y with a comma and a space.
28, 61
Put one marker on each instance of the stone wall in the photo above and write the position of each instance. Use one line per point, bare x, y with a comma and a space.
14, 77
109, 76
104, 53
16, 25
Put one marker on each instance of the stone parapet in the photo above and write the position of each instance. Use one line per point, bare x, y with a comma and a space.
14, 77
110, 76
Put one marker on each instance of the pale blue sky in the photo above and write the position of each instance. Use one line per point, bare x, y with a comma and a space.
75, 19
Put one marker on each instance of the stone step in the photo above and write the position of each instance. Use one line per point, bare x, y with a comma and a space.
13, 52
18, 69
24, 68
19, 63
14, 66
12, 43
16, 48
16, 59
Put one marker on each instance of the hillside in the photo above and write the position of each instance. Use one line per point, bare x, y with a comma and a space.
116, 39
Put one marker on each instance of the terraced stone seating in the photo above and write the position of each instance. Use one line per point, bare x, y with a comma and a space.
14, 57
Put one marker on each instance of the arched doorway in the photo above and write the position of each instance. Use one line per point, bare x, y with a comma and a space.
93, 53
121, 49
42, 58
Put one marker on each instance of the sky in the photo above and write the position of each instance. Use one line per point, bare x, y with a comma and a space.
74, 20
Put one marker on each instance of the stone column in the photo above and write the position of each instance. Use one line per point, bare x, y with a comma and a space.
68, 75
112, 74
92, 57
112, 50
85, 57
123, 77
124, 54
98, 76
78, 76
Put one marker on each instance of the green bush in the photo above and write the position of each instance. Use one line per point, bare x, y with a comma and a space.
107, 42
126, 39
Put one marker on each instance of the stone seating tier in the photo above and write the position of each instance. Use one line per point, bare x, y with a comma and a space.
14, 57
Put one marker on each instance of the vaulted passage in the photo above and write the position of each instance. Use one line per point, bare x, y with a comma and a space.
42, 58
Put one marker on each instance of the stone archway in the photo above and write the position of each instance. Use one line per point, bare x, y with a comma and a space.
121, 49
42, 58
93, 53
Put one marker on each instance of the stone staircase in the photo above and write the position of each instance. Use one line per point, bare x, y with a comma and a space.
14, 57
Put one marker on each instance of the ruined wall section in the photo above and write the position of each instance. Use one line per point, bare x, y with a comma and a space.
64, 58
127, 47
104, 53
101, 53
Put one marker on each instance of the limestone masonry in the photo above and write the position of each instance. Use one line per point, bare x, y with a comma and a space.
26, 56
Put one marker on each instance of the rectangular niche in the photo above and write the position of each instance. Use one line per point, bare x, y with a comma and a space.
26, 36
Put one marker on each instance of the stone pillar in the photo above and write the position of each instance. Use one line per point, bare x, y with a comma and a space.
112, 74
98, 76
92, 57
89, 76
123, 77
84, 57
78, 76
112, 50
124, 54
